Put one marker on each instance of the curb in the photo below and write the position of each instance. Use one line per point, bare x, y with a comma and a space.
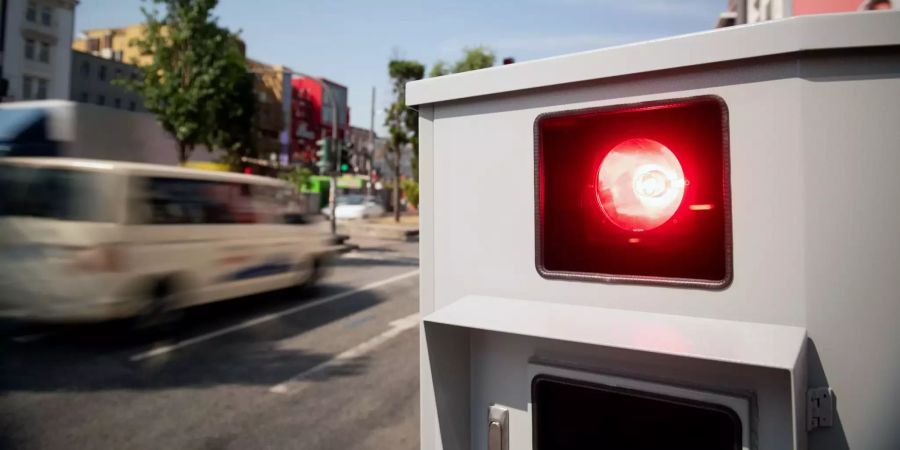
388, 232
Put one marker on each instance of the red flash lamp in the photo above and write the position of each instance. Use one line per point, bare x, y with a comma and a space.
635, 193
640, 184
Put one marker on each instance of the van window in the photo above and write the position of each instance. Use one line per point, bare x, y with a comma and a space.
271, 203
52, 193
186, 201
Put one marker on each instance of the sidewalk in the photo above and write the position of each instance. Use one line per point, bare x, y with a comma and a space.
383, 228
377, 228
409, 220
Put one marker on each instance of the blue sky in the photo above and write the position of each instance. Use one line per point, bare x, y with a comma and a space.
350, 41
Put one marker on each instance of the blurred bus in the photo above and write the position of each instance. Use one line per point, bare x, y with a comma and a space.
81, 130
89, 240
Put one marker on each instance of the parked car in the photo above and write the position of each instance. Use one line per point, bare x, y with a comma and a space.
355, 207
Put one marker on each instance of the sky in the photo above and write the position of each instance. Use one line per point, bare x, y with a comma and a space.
351, 41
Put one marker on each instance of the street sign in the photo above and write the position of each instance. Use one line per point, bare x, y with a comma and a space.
692, 243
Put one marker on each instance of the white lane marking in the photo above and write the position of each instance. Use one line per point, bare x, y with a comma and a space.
266, 318
396, 327
29, 338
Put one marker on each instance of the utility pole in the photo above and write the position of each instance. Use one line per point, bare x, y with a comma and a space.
332, 190
371, 152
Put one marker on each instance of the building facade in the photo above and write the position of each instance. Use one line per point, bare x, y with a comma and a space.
361, 141
34, 41
741, 12
311, 115
273, 101
116, 43
293, 112
93, 81
113, 44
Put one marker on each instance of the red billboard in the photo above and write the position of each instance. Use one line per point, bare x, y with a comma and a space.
311, 114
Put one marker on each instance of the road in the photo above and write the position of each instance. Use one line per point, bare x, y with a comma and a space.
330, 367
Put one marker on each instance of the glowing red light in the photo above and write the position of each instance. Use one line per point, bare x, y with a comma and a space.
640, 184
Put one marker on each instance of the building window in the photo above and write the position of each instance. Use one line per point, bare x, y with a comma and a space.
117, 103
44, 52
101, 100
41, 89
31, 12
85, 69
46, 16
29, 49
131, 105
34, 88
93, 45
118, 74
27, 87
102, 73
85, 97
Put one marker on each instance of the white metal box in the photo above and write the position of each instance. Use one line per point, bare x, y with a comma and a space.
813, 108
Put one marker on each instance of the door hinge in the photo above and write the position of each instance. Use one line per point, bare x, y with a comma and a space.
819, 408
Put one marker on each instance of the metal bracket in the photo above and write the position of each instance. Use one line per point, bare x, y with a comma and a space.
819, 408
498, 428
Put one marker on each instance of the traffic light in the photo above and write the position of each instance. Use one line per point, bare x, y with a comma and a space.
324, 156
346, 149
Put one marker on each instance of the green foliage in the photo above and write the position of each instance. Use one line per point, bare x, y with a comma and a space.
300, 177
402, 122
411, 192
197, 84
234, 130
475, 58
440, 68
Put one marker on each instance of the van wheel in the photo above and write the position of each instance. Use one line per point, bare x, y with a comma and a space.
160, 312
316, 273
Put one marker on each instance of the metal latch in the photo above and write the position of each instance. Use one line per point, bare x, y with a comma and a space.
498, 428
819, 408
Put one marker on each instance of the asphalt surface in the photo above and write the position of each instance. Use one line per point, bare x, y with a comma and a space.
334, 366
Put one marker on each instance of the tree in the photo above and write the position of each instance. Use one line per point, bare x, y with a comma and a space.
402, 122
480, 57
196, 84
439, 68
235, 130
474, 58
411, 191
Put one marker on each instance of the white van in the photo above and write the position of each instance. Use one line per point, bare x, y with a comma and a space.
88, 240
